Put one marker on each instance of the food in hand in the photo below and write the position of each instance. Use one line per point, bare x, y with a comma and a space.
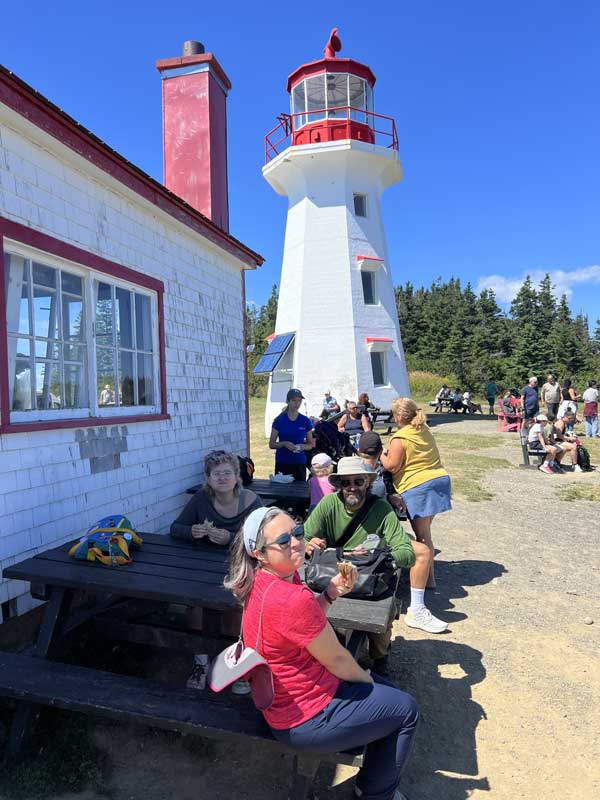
345, 569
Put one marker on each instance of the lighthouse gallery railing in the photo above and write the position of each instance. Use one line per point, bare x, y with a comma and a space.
382, 128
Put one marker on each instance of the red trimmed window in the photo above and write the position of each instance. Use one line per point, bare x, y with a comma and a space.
83, 337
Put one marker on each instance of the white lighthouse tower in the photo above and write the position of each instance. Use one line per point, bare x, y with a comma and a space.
337, 324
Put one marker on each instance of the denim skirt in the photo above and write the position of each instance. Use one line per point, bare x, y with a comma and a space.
428, 499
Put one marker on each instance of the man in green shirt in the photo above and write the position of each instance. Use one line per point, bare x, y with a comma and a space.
491, 390
380, 527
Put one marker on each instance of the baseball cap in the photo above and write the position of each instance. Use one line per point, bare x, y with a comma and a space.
321, 460
542, 418
370, 444
294, 393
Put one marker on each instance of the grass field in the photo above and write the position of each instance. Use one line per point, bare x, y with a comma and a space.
467, 468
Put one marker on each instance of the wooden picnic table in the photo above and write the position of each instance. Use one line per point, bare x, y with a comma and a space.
164, 571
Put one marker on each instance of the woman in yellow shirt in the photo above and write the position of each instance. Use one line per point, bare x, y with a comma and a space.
417, 472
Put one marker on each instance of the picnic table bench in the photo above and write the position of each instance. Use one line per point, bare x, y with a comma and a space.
295, 493
164, 571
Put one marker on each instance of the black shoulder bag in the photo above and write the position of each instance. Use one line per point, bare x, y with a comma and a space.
376, 570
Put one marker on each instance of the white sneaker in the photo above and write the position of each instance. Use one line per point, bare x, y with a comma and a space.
423, 618
577, 468
240, 688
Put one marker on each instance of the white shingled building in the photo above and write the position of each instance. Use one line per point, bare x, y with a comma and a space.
116, 371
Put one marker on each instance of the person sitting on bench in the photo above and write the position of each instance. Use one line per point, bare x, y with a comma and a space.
537, 440
324, 702
508, 407
566, 438
354, 422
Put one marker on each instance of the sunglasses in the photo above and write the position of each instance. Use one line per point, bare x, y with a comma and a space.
285, 539
345, 482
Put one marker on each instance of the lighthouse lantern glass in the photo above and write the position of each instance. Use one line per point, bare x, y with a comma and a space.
315, 98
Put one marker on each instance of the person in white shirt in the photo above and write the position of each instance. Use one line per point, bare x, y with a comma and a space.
537, 440
590, 410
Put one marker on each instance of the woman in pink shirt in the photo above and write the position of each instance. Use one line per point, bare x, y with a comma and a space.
323, 701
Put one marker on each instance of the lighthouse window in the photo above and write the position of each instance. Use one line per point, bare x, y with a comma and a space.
315, 98
337, 94
378, 368
368, 285
360, 205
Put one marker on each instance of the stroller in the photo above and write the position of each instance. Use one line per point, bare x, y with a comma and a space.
329, 440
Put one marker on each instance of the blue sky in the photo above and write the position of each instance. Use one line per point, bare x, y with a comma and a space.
496, 105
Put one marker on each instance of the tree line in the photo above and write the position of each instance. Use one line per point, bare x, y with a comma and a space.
450, 330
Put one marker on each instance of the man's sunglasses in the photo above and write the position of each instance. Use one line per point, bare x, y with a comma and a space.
345, 482
285, 539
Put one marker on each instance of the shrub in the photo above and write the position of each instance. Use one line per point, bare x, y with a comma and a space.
427, 384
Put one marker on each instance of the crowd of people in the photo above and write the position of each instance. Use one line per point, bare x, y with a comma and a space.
324, 700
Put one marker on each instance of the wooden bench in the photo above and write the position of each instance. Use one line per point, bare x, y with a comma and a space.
529, 453
127, 699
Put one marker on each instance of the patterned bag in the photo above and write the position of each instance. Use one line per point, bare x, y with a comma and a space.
108, 541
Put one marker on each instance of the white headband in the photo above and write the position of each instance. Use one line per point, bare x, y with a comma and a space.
251, 526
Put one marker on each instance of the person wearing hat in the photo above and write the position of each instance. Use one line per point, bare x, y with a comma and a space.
291, 436
321, 468
330, 405
380, 527
537, 440
322, 700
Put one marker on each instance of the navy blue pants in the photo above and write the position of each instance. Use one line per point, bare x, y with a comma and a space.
380, 716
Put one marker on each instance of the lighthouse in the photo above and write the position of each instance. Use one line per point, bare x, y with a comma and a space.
332, 156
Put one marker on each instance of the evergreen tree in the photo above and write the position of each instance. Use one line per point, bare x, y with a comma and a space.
547, 306
260, 325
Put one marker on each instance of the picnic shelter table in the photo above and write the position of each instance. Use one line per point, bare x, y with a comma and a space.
124, 605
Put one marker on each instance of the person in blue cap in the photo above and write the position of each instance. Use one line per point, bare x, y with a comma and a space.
291, 437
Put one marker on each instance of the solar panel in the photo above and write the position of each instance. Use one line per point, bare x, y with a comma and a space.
274, 353
279, 344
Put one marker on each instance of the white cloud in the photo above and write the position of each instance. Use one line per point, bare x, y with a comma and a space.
563, 280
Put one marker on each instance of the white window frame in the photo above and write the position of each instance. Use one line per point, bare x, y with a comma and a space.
93, 410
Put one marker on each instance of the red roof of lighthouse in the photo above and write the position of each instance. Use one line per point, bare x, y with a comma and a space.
330, 65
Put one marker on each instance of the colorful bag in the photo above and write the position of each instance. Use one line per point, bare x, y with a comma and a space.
108, 541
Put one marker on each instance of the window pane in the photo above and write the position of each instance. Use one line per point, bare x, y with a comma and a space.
357, 98
44, 276
75, 386
143, 323
74, 352
45, 313
315, 97
47, 350
368, 285
72, 284
47, 385
126, 378
298, 100
337, 93
105, 371
23, 348
145, 381
124, 302
104, 321
377, 361
72, 319
23, 309
22, 387
360, 205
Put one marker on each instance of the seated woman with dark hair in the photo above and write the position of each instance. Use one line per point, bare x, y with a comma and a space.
217, 510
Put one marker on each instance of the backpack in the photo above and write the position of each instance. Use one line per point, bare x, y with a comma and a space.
329, 440
108, 541
583, 458
246, 469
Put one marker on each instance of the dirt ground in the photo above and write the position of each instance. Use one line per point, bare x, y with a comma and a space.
510, 695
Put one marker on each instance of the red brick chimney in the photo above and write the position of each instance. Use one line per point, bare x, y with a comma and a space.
194, 94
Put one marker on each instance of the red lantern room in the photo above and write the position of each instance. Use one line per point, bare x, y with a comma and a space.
331, 99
